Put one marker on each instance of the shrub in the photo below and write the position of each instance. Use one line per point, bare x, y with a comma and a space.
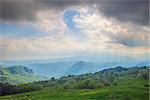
146, 85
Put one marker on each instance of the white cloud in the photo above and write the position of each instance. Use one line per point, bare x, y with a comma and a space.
50, 20
109, 30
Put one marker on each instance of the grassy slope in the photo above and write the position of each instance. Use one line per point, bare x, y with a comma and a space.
125, 90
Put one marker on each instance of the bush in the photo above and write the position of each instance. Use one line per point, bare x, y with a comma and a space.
115, 84
146, 85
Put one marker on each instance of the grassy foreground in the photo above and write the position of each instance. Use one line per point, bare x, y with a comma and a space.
125, 90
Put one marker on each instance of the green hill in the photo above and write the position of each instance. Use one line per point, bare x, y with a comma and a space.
18, 75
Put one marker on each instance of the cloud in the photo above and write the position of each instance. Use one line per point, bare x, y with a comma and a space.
136, 11
43, 14
132, 40
48, 47
104, 26
98, 26
124, 10
19, 10
49, 21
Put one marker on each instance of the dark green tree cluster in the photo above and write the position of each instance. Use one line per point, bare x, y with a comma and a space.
7, 89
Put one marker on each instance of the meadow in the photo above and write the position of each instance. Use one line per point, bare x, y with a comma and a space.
124, 90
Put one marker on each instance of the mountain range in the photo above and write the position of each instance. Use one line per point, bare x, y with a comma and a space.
61, 68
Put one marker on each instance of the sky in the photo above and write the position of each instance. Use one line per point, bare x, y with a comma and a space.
51, 29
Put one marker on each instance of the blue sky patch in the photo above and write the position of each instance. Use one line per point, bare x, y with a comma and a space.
68, 19
11, 30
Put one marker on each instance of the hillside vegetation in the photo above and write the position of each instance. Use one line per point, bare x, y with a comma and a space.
110, 84
99, 79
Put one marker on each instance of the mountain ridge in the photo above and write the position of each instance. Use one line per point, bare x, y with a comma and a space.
81, 67
18, 75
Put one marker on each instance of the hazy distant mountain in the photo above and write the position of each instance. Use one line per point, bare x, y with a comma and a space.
18, 75
144, 63
55, 69
81, 68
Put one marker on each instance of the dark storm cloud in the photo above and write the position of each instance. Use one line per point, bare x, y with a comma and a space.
130, 40
124, 10
17, 10
136, 11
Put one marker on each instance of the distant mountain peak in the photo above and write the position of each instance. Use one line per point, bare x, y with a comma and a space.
79, 63
80, 67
